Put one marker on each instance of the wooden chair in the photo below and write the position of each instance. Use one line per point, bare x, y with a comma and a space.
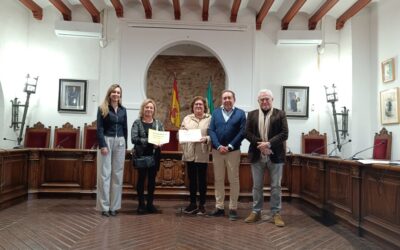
173, 144
313, 142
90, 136
37, 136
382, 145
67, 136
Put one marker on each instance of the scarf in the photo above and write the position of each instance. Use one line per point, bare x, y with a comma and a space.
263, 123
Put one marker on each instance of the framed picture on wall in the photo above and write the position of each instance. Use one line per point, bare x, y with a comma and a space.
388, 70
295, 101
389, 105
72, 95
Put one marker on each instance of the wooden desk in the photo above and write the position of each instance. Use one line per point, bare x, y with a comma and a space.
13, 176
365, 197
72, 171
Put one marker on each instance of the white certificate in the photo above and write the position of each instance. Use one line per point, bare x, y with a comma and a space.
189, 135
158, 137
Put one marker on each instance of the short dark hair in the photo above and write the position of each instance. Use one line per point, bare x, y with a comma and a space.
230, 91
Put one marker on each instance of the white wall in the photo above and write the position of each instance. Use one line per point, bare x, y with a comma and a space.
14, 34
364, 111
31, 46
349, 61
388, 40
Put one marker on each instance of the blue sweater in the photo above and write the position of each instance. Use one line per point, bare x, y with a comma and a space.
230, 132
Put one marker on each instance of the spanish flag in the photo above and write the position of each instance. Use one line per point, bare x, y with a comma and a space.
174, 113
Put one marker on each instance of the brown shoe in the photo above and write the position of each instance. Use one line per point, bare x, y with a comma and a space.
277, 219
253, 217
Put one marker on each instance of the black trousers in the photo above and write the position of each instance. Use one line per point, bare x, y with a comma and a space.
197, 173
150, 173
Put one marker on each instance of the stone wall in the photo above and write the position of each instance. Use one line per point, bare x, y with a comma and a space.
192, 74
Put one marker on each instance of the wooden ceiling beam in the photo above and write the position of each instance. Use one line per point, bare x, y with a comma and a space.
37, 11
119, 9
263, 13
177, 9
235, 10
147, 9
320, 13
65, 11
206, 6
94, 12
357, 6
291, 13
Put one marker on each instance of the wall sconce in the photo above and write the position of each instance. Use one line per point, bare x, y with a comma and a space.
332, 97
30, 88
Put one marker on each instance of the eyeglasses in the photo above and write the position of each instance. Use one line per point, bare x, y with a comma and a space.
264, 99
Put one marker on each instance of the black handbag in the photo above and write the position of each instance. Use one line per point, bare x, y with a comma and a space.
146, 161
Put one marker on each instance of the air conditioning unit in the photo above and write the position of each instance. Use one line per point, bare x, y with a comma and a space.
299, 37
78, 29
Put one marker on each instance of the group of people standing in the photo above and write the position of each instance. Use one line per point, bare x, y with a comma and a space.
222, 132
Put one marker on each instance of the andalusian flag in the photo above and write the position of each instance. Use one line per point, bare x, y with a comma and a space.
174, 113
210, 98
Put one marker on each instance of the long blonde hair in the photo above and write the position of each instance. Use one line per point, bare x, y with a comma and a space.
104, 106
144, 103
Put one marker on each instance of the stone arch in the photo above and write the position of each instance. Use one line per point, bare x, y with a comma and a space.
193, 70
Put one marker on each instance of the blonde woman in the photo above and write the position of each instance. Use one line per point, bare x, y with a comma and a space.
112, 133
139, 137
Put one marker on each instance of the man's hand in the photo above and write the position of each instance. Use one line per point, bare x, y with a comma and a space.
223, 149
265, 148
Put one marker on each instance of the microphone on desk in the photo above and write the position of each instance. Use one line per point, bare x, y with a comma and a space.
353, 157
330, 153
288, 151
16, 147
6, 139
314, 152
59, 144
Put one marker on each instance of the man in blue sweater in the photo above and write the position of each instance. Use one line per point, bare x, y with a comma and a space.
226, 130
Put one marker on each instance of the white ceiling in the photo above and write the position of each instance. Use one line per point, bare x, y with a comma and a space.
279, 7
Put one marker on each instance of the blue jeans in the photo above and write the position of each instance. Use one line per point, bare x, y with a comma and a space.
275, 173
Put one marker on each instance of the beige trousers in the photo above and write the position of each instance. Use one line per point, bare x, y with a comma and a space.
231, 162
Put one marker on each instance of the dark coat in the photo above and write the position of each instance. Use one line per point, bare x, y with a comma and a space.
139, 138
277, 135
113, 125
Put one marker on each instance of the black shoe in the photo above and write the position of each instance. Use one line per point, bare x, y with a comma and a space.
141, 209
114, 213
233, 215
105, 213
151, 209
217, 212
201, 210
191, 209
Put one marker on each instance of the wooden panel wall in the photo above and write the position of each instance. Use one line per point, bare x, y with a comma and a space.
366, 197
13, 177
380, 206
74, 172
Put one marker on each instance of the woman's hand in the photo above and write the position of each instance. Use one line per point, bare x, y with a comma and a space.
104, 151
203, 139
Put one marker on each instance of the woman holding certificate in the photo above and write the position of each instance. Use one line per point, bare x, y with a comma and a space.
140, 132
196, 148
